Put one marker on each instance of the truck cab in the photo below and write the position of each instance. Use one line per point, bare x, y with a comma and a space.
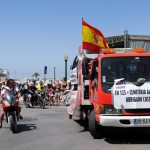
112, 89
119, 86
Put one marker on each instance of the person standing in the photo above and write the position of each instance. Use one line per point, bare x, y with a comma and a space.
1, 111
57, 93
50, 92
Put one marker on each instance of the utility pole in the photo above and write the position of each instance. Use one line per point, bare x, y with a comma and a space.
45, 72
66, 59
54, 74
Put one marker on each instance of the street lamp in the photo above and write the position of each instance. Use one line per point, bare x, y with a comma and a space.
66, 59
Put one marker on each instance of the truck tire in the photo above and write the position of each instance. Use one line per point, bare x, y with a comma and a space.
95, 129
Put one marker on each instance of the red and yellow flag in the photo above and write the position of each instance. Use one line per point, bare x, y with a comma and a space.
92, 39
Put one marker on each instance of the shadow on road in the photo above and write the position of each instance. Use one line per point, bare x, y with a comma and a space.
37, 107
122, 135
84, 124
26, 127
128, 136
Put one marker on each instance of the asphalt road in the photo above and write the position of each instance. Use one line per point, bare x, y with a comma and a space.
50, 129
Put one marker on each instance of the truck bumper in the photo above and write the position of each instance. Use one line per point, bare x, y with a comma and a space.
125, 121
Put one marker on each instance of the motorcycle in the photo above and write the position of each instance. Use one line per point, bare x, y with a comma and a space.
35, 99
43, 100
11, 110
26, 98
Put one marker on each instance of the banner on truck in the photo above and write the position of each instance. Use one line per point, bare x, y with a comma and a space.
130, 96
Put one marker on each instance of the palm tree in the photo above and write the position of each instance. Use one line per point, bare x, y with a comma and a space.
36, 74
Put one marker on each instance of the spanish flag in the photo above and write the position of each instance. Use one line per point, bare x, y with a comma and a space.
92, 39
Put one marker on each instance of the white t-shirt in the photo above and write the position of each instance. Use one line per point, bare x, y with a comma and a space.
4, 90
7, 88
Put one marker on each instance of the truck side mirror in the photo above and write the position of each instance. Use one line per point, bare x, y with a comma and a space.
71, 67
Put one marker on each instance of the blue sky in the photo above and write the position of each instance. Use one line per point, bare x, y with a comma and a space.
38, 33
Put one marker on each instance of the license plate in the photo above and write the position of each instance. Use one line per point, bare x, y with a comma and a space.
142, 121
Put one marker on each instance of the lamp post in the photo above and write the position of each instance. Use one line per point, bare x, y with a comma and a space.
66, 59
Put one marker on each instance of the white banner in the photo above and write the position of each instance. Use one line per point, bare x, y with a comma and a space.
73, 76
130, 96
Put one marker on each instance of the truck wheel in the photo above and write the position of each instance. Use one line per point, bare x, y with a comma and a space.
95, 129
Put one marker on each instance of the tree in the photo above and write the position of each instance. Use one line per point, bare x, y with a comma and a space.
36, 75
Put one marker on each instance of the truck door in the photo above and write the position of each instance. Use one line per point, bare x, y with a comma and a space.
94, 81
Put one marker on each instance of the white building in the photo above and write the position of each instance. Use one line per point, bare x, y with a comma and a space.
4, 74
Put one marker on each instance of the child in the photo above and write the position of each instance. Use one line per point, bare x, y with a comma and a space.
57, 93
50, 92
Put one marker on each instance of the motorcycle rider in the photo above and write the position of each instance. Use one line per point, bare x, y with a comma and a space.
41, 90
11, 87
32, 90
40, 87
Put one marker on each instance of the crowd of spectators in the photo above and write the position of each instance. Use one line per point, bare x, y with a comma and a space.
53, 90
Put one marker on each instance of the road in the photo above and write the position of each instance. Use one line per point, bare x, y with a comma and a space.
50, 129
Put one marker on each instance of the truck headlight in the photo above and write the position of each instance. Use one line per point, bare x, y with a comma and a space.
109, 109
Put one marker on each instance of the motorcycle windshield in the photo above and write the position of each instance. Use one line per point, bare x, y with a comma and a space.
9, 97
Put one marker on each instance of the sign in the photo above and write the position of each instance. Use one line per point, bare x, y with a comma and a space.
45, 70
73, 76
130, 96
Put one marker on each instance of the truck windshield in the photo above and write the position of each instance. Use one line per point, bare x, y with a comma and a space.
129, 68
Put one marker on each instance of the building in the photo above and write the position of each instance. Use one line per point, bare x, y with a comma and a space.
4, 75
129, 41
